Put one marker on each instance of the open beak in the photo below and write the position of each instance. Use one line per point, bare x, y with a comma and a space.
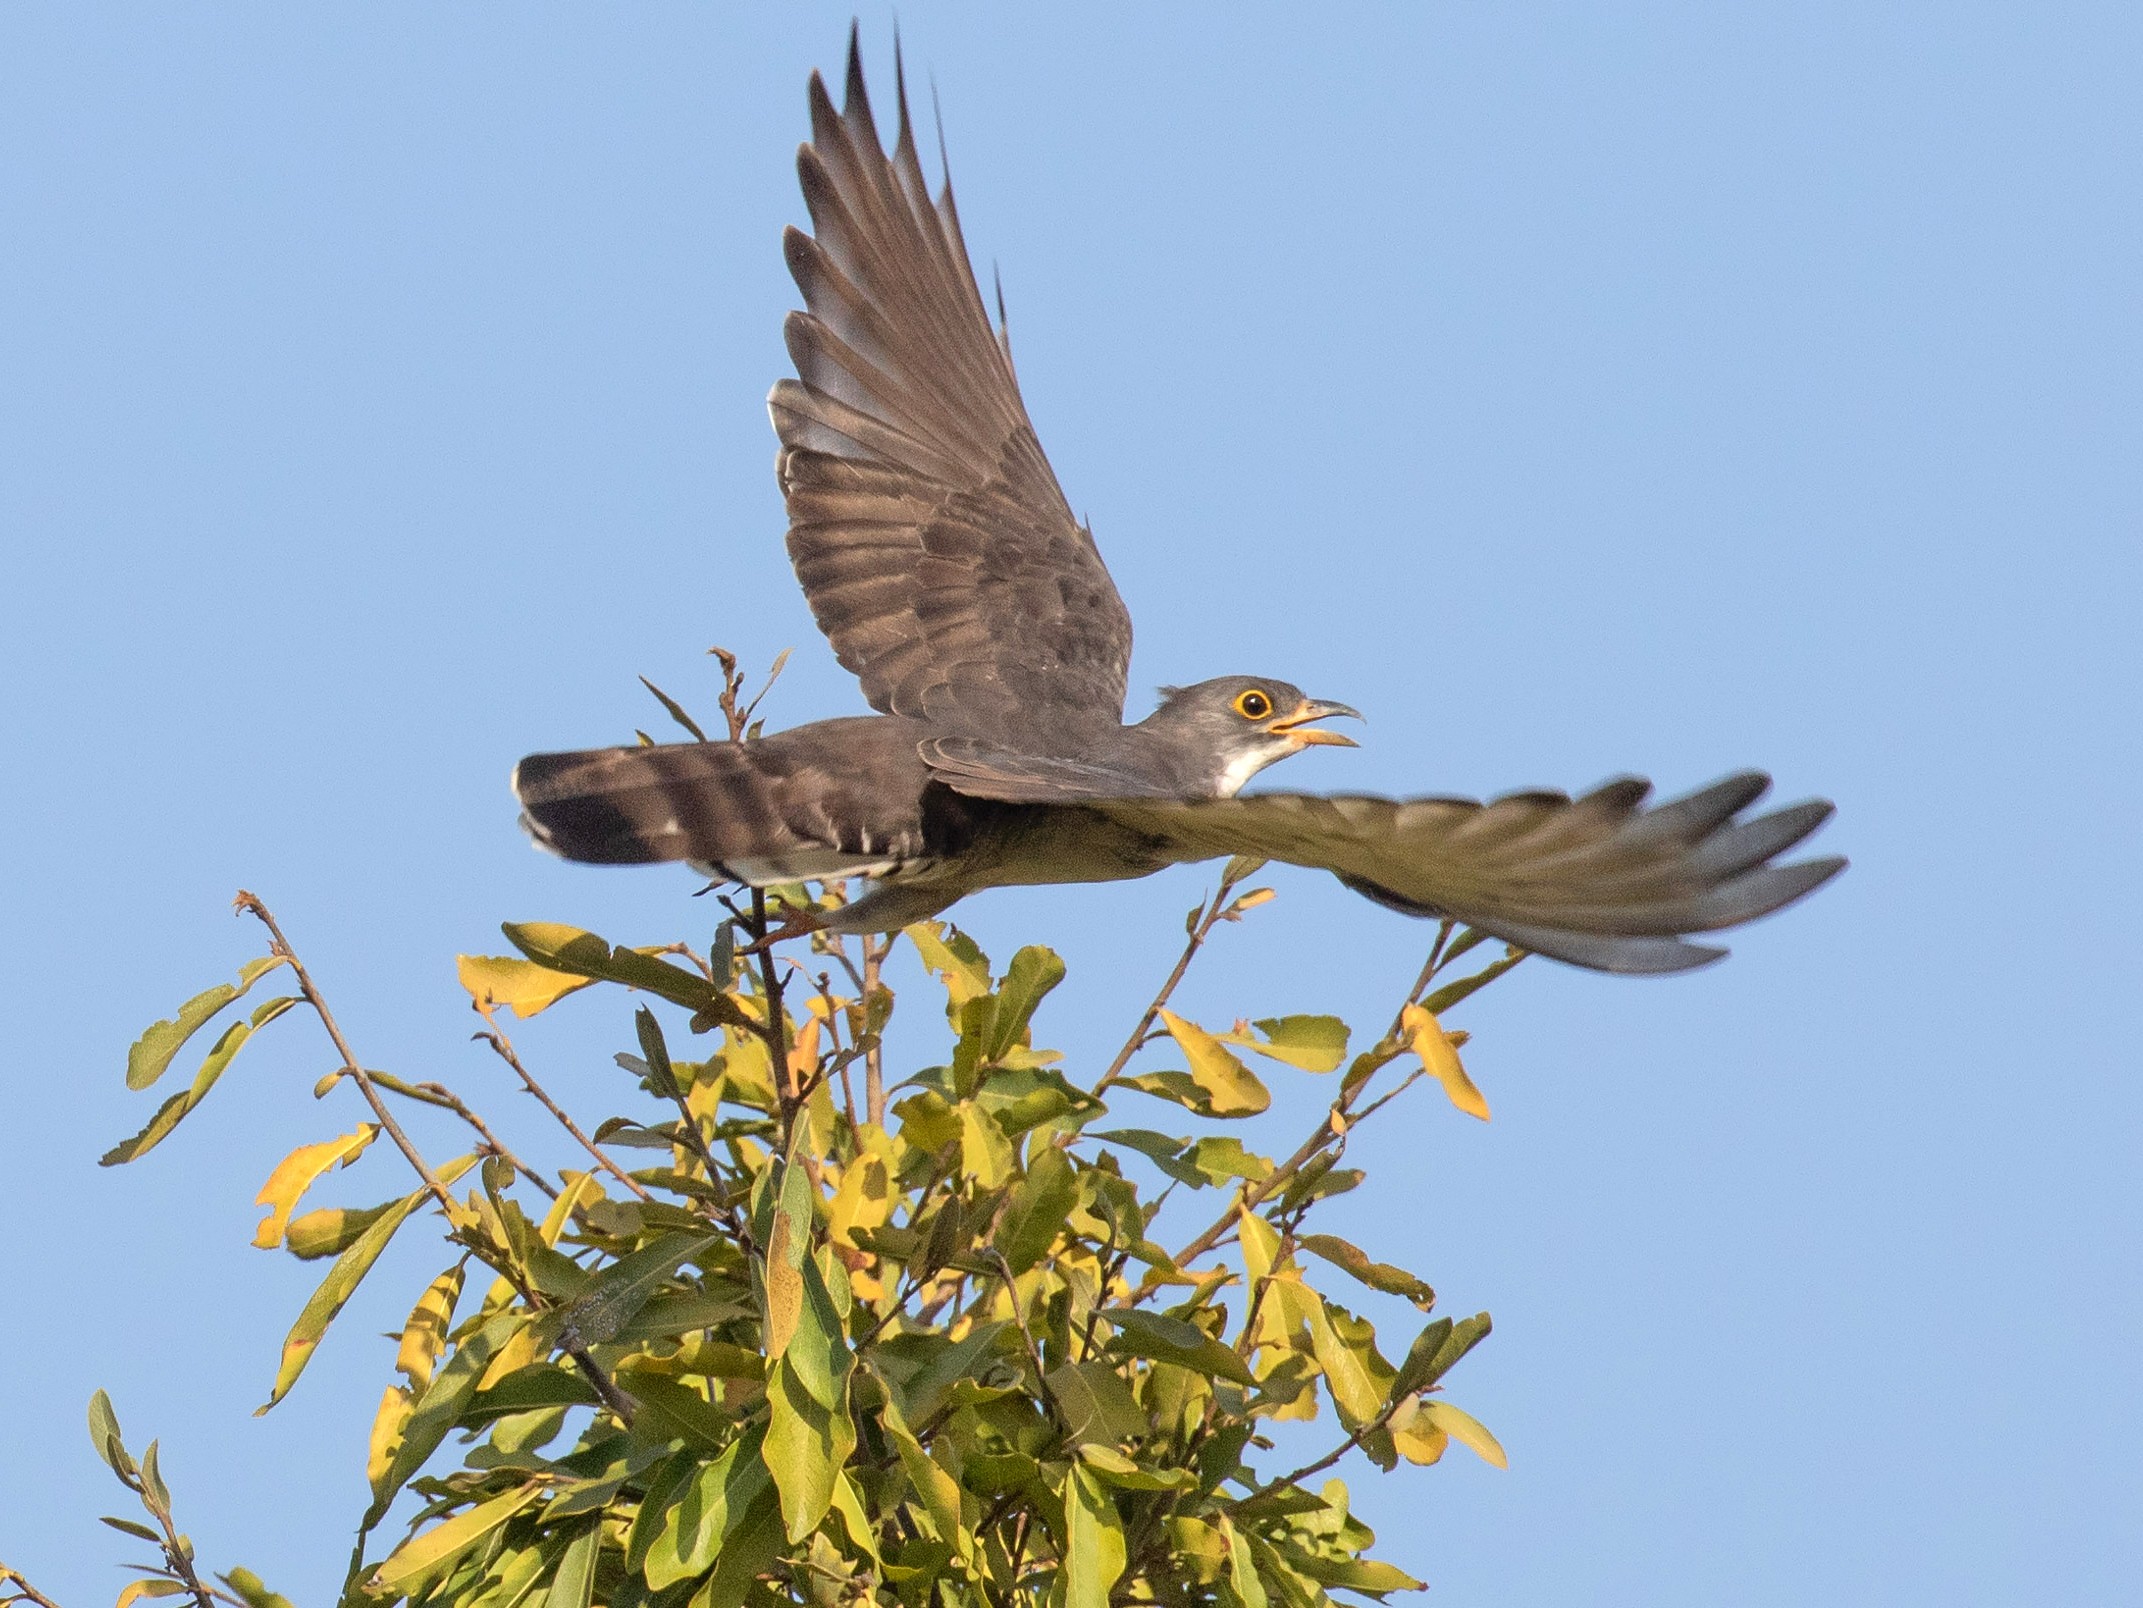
1296, 728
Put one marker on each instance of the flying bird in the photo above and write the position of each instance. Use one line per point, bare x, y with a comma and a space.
942, 561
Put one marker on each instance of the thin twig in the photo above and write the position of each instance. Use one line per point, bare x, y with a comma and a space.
1360, 1434
1339, 1119
876, 946
503, 1047
776, 1017
357, 1074
622, 1405
1209, 916
438, 1094
22, 1590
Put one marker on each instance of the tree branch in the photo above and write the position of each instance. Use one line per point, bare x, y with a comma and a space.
502, 1046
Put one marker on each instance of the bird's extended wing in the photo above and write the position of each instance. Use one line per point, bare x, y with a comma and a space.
936, 549
1598, 881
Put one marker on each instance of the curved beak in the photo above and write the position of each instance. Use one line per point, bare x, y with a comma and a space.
1296, 727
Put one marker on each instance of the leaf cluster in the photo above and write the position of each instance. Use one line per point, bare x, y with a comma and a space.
779, 1341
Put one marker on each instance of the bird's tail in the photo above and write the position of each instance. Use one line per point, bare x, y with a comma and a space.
741, 811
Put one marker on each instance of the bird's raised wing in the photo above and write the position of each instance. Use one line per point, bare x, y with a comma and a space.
931, 538
1598, 881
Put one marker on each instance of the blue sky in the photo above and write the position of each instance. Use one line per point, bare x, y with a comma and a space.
1574, 389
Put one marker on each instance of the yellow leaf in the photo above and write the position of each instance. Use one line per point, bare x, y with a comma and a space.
424, 1335
1231, 1087
395, 1405
864, 1199
297, 1172
784, 1285
135, 1590
521, 985
1466, 1429
582, 1190
421, 1554
804, 1053
1439, 1056
1261, 1244
1415, 1436
984, 1150
516, 1354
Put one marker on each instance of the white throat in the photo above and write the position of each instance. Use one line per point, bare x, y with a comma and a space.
1244, 766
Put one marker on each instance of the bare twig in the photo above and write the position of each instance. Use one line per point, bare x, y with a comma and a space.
1208, 916
280, 945
17, 1589
438, 1094
502, 1046
876, 946
612, 1397
1361, 1433
776, 1028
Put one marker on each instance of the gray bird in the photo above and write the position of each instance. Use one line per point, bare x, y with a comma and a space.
942, 561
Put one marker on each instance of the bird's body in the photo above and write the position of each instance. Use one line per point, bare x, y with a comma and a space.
945, 566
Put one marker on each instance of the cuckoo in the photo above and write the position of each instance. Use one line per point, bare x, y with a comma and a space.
942, 561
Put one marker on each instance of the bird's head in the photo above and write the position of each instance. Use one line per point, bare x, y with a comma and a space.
1232, 727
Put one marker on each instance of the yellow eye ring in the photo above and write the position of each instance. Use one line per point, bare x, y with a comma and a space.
1253, 705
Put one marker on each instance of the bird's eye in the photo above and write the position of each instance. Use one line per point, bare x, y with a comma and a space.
1253, 705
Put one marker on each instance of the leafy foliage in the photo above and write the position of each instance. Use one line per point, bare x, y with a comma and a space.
821, 1339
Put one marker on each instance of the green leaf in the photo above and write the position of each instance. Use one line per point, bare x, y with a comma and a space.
569, 949
1127, 1474
153, 1051
1222, 1159
1094, 1553
573, 1583
1312, 1043
1377, 1275
959, 963
1035, 1213
1231, 1088
104, 1435
1355, 1574
1033, 973
806, 1444
985, 1152
429, 1551
1437, 1350
706, 1510
681, 1409
659, 1491
342, 1281
1098, 1406
1165, 1339
819, 1352
927, 1121
246, 1585
1451, 993
174, 1110
1439, 1057
939, 1491
616, 1295
1318, 1180
1164, 1152
748, 1552
1355, 1390
1242, 1568
1466, 1429
440, 1408
676, 709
